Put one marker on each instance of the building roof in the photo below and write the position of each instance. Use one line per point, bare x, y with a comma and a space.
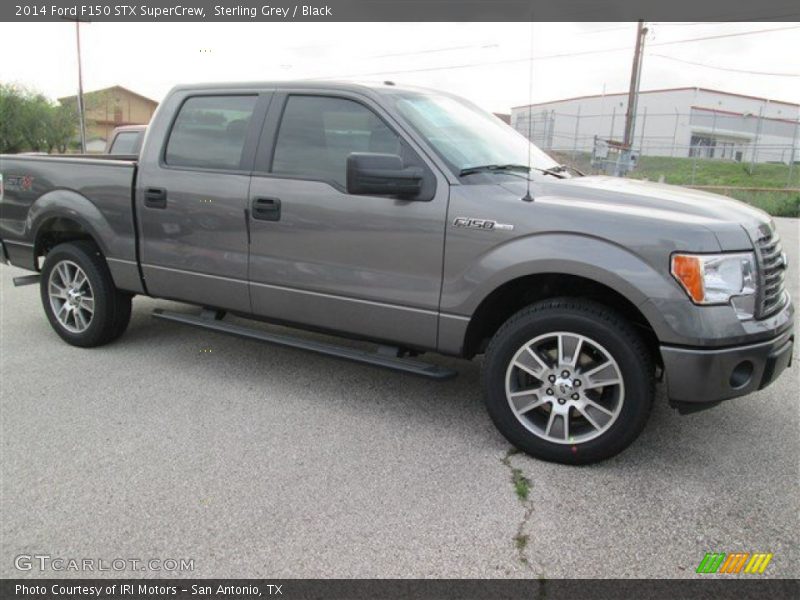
108, 89
677, 89
739, 114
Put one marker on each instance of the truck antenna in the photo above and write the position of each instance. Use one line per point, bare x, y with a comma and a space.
527, 197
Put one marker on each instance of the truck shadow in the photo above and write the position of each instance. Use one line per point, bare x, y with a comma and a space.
456, 403
670, 440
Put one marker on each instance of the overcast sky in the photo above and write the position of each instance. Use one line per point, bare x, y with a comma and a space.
486, 62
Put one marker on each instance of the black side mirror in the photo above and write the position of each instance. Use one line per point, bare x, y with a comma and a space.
382, 175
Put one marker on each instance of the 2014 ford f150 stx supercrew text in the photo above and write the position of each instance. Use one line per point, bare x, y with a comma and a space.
415, 220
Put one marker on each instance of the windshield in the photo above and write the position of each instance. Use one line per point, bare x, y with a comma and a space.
466, 136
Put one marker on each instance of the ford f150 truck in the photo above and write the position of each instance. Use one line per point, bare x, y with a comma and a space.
412, 219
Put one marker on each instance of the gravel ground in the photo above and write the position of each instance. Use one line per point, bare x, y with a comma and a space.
259, 461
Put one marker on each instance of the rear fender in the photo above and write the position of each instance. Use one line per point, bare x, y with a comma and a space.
118, 246
70, 205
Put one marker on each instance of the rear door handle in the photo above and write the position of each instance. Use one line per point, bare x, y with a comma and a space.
155, 198
267, 209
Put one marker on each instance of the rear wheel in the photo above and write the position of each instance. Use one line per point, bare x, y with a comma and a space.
568, 381
79, 297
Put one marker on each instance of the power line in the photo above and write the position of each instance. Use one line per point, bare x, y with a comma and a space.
592, 32
742, 16
659, 24
482, 46
724, 35
554, 56
731, 70
729, 21
477, 64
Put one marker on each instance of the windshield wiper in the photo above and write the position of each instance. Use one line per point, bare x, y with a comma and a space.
561, 169
492, 169
554, 171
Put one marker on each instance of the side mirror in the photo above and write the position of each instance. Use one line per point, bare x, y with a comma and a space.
382, 175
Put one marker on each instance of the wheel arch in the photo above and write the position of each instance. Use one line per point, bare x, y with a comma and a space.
64, 216
515, 294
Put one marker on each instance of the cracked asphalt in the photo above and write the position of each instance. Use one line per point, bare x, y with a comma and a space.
258, 461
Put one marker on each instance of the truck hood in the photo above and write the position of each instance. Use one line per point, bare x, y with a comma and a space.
733, 222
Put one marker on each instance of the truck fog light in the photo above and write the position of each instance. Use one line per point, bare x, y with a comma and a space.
741, 374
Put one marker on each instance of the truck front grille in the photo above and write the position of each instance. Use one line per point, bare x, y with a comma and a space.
771, 269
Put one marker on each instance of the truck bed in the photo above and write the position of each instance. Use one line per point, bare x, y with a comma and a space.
94, 191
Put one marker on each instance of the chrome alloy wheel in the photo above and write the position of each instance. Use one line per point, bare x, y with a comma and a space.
71, 296
564, 387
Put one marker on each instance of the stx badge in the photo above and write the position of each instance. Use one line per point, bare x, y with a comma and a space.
21, 183
482, 224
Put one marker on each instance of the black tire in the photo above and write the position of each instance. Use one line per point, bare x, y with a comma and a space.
112, 308
596, 323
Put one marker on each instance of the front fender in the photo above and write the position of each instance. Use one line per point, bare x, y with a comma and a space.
592, 258
574, 254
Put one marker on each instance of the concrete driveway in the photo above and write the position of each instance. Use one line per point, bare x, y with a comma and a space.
257, 461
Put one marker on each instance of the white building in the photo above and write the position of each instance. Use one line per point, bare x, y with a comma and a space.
670, 122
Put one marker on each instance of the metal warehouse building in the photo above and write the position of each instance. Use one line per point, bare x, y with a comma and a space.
677, 122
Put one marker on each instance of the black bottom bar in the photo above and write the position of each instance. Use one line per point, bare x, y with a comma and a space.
401, 589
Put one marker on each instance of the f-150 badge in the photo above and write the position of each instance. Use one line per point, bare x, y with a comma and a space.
482, 224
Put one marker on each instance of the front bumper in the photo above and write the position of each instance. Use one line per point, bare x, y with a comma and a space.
699, 378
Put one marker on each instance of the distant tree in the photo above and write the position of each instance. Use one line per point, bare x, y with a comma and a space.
11, 109
61, 128
35, 120
31, 122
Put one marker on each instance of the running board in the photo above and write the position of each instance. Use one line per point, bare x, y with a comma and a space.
405, 365
26, 280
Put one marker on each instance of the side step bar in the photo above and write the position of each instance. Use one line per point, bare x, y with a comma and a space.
26, 280
405, 365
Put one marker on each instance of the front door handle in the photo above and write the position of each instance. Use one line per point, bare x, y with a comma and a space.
267, 209
155, 198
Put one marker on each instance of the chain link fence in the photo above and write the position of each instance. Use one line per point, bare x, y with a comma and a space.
698, 135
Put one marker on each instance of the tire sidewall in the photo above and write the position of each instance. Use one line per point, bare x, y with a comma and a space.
632, 362
101, 290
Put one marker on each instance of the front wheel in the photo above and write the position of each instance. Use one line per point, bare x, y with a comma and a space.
568, 381
79, 297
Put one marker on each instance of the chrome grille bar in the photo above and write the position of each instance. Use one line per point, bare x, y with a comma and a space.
771, 293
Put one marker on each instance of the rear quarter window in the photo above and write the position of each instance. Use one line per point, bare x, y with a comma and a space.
209, 132
126, 142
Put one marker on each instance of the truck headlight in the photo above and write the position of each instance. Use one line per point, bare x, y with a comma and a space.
718, 279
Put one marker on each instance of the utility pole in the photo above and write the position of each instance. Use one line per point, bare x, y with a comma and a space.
81, 113
575, 138
755, 141
633, 99
792, 155
675, 132
81, 108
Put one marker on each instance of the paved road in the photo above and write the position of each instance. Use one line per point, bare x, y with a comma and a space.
266, 462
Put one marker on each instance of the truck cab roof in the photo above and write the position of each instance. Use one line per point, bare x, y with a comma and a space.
370, 87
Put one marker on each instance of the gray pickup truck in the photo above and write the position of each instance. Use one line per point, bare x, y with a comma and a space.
126, 140
414, 220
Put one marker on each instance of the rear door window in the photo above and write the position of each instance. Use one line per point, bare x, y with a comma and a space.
210, 132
